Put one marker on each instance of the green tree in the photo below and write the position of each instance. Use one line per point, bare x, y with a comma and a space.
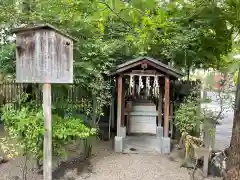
189, 34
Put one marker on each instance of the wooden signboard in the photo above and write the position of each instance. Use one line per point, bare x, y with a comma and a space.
44, 55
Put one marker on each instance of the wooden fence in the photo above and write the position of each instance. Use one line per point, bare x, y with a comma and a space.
68, 95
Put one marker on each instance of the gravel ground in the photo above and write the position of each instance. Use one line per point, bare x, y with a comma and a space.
107, 165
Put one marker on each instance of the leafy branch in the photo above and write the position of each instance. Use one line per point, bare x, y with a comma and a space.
117, 14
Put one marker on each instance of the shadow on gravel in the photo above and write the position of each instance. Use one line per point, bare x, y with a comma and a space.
79, 163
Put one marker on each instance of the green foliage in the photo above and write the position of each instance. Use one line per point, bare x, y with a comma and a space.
190, 34
235, 78
188, 115
26, 125
6, 55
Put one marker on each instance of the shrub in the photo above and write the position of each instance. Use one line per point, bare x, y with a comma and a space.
188, 115
26, 125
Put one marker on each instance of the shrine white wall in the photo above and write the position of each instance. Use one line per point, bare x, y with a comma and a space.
143, 119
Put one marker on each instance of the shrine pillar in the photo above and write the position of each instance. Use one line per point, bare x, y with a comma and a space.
123, 129
160, 115
118, 141
119, 104
166, 139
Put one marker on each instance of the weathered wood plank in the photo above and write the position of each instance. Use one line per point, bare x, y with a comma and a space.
44, 55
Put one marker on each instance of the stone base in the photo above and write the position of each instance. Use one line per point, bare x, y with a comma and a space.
123, 131
165, 145
118, 144
159, 145
159, 131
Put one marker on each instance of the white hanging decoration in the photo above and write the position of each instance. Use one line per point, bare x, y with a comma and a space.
131, 87
148, 86
156, 86
140, 85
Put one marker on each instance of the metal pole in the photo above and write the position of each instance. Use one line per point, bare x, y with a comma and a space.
47, 154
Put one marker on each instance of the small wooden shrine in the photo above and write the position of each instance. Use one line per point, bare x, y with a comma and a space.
144, 92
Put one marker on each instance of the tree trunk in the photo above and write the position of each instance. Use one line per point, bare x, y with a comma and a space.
233, 161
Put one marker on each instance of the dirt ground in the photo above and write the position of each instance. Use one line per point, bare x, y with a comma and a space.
105, 165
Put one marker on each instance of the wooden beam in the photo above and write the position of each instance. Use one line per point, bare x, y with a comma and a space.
160, 103
166, 108
139, 74
119, 104
142, 71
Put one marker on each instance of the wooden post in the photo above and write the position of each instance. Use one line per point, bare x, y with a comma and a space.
166, 108
119, 105
47, 154
112, 114
172, 118
160, 108
123, 103
113, 106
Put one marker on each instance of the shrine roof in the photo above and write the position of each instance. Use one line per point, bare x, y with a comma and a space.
158, 65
